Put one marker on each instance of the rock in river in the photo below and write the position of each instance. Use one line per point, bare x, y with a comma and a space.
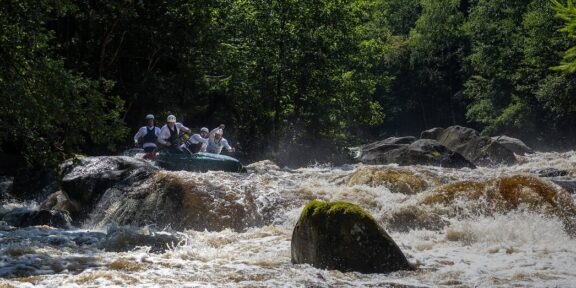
25, 218
342, 236
128, 191
85, 180
477, 149
419, 152
513, 144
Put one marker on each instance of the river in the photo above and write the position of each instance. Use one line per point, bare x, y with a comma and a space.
461, 244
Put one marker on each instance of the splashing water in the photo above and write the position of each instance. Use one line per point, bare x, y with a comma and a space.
465, 242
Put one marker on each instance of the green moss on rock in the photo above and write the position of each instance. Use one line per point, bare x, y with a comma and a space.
342, 236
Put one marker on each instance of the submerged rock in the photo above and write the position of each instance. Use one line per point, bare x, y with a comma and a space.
26, 218
126, 238
342, 236
508, 193
513, 144
551, 172
397, 180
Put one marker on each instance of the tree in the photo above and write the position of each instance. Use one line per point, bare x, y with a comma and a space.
48, 112
568, 14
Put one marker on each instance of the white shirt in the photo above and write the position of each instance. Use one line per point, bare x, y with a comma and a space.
214, 146
142, 132
195, 139
165, 132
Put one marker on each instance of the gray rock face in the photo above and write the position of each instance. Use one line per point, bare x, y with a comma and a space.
433, 133
86, 179
25, 218
344, 237
419, 152
513, 144
479, 150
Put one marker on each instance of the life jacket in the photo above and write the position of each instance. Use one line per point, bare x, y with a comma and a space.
150, 136
174, 136
194, 147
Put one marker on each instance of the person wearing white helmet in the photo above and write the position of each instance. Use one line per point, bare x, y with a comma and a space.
216, 142
147, 136
170, 134
197, 142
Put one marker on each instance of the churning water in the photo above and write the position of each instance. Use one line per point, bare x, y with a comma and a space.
487, 227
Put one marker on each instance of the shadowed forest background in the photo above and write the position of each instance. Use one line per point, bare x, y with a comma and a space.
293, 80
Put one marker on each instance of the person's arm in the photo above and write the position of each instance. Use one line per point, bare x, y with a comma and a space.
183, 128
139, 134
212, 133
227, 146
162, 138
199, 138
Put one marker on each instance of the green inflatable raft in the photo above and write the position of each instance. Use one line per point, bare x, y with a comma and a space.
199, 162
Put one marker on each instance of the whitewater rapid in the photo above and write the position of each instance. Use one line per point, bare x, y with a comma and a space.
454, 246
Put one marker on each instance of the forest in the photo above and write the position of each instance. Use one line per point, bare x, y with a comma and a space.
290, 79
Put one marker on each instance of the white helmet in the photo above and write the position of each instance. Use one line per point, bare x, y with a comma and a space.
220, 131
171, 118
204, 129
149, 117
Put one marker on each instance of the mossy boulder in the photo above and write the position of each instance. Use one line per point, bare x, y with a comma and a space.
344, 237
397, 180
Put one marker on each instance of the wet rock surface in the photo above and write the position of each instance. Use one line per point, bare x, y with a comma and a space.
169, 200
128, 191
513, 144
85, 180
26, 218
482, 151
419, 152
342, 236
551, 172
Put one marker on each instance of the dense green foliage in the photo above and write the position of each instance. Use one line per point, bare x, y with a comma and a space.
284, 75
48, 111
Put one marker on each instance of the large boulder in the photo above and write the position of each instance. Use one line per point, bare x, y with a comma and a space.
128, 191
477, 149
385, 145
419, 152
85, 180
180, 200
513, 144
25, 218
342, 236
